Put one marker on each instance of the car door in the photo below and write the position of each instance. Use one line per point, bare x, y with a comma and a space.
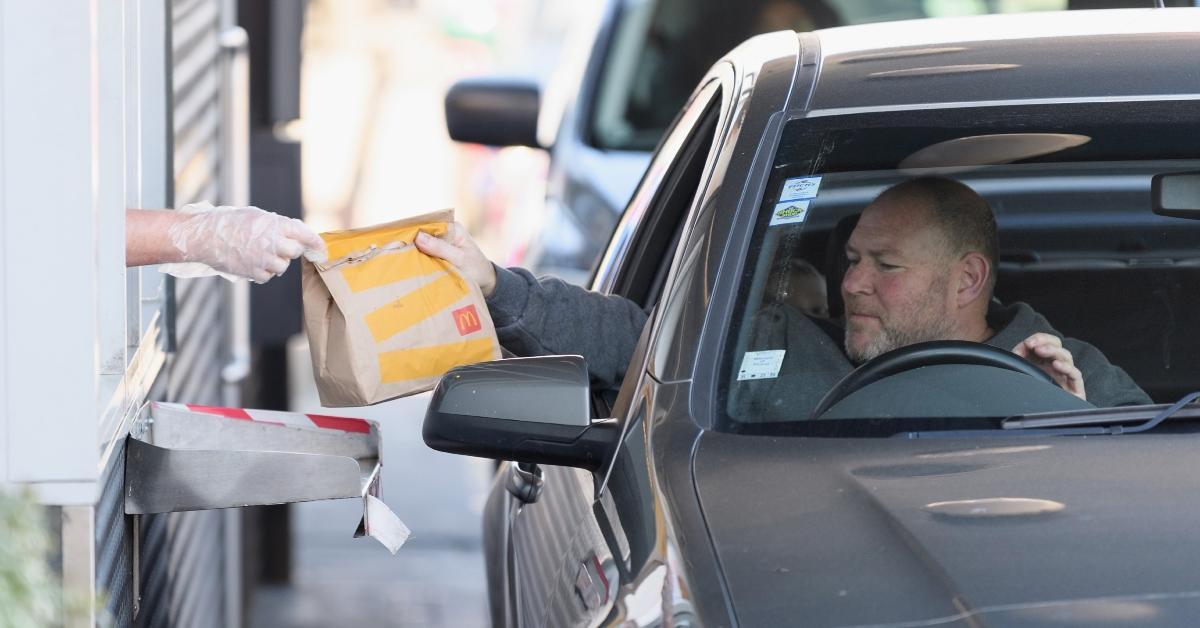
654, 259
563, 557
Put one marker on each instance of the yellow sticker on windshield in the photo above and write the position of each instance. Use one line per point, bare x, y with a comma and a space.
789, 212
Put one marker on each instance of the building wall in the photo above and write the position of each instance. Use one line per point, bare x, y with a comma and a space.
183, 557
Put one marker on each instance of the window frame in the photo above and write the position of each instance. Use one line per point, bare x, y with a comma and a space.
742, 258
646, 200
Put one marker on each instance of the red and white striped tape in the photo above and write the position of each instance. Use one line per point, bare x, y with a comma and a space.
291, 419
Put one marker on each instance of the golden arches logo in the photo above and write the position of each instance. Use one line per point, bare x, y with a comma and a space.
467, 320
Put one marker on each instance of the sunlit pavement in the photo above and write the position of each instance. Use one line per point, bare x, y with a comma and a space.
436, 579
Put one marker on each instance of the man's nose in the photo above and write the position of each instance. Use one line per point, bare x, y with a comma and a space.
855, 281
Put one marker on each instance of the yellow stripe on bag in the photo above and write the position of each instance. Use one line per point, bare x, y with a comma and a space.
343, 243
410, 364
415, 306
390, 268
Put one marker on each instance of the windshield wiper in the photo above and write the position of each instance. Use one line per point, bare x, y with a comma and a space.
1107, 422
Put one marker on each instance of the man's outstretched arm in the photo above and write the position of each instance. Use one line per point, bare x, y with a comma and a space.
546, 316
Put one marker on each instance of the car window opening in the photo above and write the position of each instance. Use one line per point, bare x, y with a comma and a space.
658, 235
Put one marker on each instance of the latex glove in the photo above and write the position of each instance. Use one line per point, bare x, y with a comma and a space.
239, 242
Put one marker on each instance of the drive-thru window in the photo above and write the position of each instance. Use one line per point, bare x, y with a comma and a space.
106, 106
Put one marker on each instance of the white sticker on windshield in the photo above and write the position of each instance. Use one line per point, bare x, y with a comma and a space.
789, 213
800, 188
761, 364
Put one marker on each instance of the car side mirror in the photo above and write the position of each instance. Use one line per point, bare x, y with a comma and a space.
494, 111
534, 410
1176, 194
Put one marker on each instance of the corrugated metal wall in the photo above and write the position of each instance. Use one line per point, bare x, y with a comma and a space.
182, 554
114, 550
200, 328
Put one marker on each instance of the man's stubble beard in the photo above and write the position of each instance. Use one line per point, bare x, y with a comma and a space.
921, 324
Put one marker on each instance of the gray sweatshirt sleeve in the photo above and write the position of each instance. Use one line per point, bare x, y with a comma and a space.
1106, 384
548, 316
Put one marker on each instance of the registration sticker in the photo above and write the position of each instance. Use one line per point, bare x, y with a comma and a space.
800, 188
761, 364
789, 212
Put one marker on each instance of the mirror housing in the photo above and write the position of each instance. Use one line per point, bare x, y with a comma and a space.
1176, 194
534, 410
494, 111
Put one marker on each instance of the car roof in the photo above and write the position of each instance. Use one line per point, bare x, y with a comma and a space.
1120, 54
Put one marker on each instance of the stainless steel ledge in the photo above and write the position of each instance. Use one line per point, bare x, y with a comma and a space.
182, 457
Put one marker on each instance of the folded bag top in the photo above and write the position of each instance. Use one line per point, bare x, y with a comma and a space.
385, 320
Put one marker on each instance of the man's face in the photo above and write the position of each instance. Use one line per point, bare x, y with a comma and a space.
897, 289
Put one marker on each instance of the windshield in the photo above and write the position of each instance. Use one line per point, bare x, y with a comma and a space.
662, 48
994, 224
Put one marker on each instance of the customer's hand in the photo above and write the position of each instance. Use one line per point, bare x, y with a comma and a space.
1046, 351
459, 249
243, 242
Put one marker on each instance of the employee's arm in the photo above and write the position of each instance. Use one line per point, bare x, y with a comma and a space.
244, 242
145, 241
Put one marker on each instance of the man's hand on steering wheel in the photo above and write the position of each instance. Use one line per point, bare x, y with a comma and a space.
1046, 351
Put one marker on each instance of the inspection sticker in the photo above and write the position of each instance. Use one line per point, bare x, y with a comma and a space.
800, 187
761, 364
789, 212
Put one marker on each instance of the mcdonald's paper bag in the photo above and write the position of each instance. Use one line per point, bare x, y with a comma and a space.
385, 320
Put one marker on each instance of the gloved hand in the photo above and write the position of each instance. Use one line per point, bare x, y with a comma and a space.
239, 242
459, 249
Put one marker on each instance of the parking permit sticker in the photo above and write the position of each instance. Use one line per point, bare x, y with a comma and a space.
789, 212
760, 364
800, 188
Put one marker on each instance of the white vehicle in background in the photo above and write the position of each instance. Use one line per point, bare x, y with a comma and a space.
618, 91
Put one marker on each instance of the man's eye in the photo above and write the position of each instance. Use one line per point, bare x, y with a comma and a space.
885, 266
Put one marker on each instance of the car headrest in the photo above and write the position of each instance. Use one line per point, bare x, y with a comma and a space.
836, 264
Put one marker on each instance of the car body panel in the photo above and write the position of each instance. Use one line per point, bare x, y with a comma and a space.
1123, 533
552, 539
681, 572
929, 62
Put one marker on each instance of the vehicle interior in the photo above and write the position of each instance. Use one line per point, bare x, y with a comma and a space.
1079, 239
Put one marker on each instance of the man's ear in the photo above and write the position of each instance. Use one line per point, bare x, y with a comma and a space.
974, 270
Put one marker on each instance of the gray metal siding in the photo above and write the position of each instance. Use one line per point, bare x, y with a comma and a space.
182, 554
114, 553
200, 328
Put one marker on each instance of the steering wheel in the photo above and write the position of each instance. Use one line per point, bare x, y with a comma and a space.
926, 354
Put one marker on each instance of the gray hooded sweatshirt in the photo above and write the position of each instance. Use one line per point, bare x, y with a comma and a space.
547, 316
